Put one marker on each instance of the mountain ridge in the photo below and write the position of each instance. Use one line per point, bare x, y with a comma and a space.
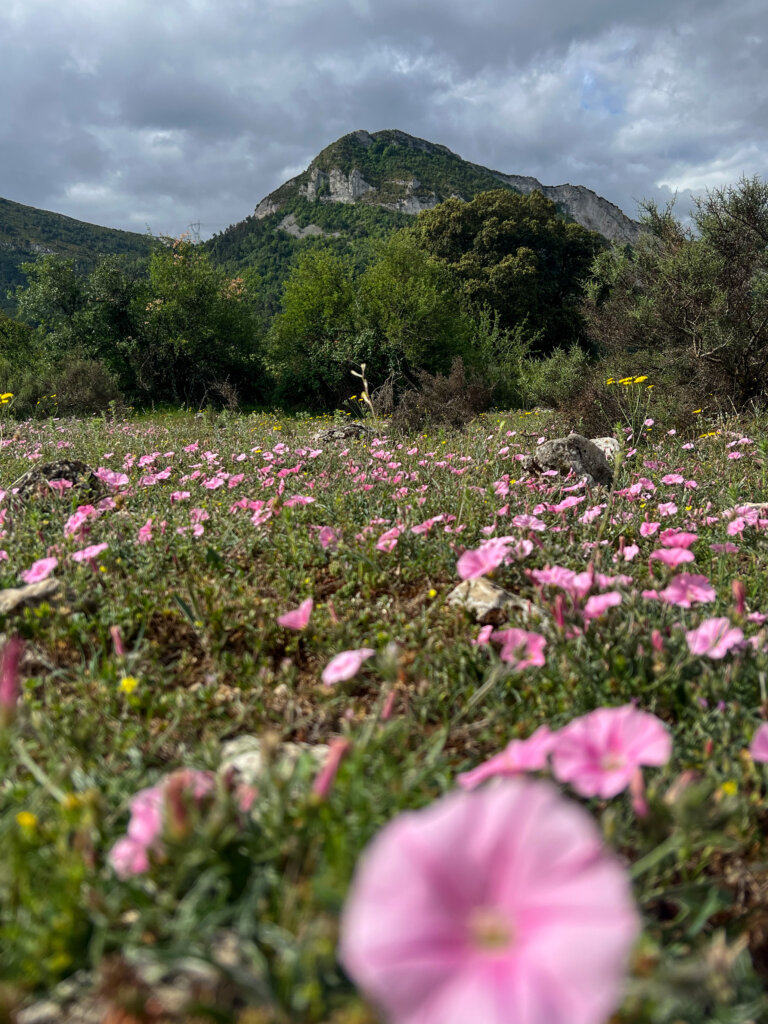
346, 171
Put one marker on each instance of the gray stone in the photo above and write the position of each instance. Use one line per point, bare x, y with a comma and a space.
573, 454
14, 598
249, 756
489, 602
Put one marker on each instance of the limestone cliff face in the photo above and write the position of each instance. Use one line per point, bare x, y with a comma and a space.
358, 168
585, 206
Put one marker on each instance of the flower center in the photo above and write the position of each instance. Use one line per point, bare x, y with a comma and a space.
490, 929
612, 762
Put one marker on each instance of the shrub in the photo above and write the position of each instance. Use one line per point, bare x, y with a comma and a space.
84, 386
451, 400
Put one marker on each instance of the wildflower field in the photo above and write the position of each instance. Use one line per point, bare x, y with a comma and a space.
257, 768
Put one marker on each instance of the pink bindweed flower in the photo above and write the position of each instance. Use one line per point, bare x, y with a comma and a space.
298, 617
345, 665
40, 570
672, 557
10, 683
518, 756
759, 746
648, 529
117, 641
326, 777
492, 906
482, 560
89, 553
673, 538
599, 604
152, 810
144, 535
684, 590
714, 637
520, 649
598, 753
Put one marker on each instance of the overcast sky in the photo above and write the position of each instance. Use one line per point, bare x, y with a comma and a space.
160, 113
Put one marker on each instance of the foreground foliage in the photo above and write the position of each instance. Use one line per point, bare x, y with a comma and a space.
209, 595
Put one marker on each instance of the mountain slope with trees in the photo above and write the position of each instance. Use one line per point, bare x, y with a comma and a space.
26, 233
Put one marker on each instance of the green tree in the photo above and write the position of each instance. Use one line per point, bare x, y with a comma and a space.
197, 329
515, 255
693, 300
312, 342
410, 308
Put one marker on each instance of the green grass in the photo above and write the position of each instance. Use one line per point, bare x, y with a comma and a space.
198, 620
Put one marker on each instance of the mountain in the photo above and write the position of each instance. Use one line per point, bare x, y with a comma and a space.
366, 185
400, 173
26, 232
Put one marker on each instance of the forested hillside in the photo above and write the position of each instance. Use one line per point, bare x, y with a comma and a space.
26, 233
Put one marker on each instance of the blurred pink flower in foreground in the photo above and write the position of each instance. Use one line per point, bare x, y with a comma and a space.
40, 570
759, 746
10, 682
299, 617
149, 810
518, 756
714, 637
672, 557
345, 665
495, 906
599, 752
599, 604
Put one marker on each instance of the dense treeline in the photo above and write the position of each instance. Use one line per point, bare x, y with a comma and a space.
537, 307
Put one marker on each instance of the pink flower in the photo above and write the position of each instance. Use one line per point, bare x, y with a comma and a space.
179, 496
724, 549
714, 637
667, 508
673, 538
110, 477
89, 553
599, 752
518, 756
10, 686
493, 906
40, 570
145, 533
129, 857
326, 777
345, 665
388, 540
759, 746
673, 557
600, 603
648, 529
482, 560
299, 617
673, 478
520, 649
685, 590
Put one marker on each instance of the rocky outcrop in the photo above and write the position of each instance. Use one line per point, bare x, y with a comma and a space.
335, 186
585, 206
572, 454
292, 227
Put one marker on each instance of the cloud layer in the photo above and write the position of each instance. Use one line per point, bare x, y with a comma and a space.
140, 114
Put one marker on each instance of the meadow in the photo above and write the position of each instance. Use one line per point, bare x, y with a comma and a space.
235, 580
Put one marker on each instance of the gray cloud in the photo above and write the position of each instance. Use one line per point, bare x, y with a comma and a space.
139, 113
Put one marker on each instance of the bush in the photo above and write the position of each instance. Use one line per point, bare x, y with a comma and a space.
449, 401
83, 387
556, 381
696, 298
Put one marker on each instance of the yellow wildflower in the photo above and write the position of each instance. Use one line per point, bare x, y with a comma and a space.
128, 684
26, 819
639, 380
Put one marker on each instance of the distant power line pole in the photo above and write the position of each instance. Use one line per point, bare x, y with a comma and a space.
195, 229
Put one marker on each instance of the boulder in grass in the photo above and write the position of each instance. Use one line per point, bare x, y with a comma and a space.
492, 604
572, 454
36, 481
15, 598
